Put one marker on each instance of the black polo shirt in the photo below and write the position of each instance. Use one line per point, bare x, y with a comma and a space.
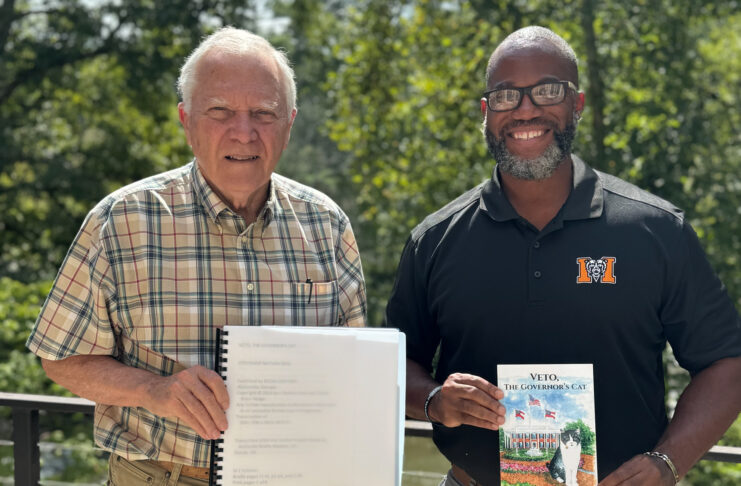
489, 288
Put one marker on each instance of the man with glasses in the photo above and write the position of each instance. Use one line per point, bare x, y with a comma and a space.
551, 261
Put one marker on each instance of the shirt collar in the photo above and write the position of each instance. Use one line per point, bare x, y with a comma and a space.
584, 202
214, 205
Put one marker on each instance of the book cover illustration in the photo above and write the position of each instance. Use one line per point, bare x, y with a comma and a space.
549, 434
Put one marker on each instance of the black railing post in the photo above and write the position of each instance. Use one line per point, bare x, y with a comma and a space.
27, 468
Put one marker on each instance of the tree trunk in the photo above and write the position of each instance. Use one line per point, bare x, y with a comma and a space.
596, 86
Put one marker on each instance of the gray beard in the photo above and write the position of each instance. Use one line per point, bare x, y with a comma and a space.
538, 168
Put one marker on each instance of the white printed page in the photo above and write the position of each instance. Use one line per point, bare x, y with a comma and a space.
311, 406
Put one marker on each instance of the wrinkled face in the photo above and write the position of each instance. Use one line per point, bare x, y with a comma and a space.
238, 123
531, 141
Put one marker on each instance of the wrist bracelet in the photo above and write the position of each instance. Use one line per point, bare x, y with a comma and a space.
427, 403
667, 461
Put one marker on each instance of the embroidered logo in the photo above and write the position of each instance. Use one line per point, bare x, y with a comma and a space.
596, 271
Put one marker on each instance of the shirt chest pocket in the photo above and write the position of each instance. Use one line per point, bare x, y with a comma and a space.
301, 304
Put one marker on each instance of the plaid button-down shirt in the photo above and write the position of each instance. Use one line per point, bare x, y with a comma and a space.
160, 264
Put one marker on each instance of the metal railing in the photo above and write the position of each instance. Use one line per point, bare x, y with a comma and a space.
26, 433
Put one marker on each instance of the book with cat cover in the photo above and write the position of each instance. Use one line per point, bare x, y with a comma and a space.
549, 435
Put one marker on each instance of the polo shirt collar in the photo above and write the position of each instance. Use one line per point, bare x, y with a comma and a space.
587, 197
214, 205
584, 202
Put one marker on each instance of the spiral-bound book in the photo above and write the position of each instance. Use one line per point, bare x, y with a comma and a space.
311, 406
549, 434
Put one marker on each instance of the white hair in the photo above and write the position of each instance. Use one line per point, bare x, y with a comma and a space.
235, 41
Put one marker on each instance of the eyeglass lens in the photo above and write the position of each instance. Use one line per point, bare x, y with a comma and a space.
541, 95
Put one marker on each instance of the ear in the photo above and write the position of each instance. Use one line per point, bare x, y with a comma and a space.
483, 106
182, 114
579, 107
184, 120
290, 125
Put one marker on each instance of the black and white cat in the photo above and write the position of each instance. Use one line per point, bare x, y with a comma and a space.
565, 461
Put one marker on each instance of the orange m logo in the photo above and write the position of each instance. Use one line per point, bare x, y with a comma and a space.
590, 270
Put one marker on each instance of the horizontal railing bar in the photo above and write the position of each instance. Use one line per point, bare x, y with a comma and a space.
412, 428
723, 454
46, 402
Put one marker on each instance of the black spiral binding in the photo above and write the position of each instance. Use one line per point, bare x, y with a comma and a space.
217, 445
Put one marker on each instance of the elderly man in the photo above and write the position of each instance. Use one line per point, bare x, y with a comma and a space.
550, 261
159, 265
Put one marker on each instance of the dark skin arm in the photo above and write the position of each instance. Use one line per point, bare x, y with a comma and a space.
708, 406
196, 395
463, 399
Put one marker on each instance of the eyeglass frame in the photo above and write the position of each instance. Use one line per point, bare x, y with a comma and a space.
527, 90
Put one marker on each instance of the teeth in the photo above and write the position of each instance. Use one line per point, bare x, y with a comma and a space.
241, 159
528, 135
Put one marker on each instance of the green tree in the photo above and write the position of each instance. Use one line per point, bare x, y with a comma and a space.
406, 111
312, 158
87, 103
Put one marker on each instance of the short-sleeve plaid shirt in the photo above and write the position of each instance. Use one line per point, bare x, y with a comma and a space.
159, 265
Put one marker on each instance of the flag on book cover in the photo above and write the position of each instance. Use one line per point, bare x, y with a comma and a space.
550, 414
533, 401
520, 414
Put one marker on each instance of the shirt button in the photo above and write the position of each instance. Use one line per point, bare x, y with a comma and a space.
250, 287
536, 274
536, 244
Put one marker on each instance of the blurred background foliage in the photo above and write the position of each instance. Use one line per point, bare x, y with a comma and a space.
388, 125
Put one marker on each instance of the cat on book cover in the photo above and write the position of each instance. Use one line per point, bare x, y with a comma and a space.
565, 461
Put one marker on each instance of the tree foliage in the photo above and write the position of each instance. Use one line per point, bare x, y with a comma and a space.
87, 103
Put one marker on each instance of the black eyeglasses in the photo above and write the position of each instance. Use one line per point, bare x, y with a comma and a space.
543, 94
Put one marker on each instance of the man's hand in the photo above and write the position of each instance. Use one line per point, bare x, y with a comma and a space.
196, 395
640, 471
468, 399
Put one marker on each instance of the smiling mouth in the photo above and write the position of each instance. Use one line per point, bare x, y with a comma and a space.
527, 135
242, 158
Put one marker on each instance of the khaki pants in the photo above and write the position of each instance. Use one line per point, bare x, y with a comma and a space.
135, 473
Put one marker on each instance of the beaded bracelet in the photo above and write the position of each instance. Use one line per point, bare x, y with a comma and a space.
667, 461
427, 403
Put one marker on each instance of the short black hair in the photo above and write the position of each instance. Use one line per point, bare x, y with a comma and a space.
535, 36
